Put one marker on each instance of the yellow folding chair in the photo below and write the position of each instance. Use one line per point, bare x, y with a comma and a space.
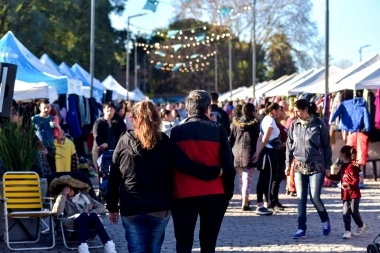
23, 199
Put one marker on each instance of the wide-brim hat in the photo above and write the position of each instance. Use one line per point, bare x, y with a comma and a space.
57, 184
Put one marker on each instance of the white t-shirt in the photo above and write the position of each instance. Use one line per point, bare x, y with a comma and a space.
267, 122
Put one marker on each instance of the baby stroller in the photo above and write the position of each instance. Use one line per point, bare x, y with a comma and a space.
374, 247
104, 169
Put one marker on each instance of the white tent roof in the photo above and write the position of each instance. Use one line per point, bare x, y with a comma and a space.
313, 84
226, 95
368, 78
118, 91
248, 92
283, 89
26, 91
261, 92
319, 87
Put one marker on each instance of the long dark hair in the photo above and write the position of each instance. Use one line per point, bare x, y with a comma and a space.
248, 110
304, 104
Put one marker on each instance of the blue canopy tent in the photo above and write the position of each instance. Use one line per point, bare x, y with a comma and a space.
74, 86
86, 79
33, 77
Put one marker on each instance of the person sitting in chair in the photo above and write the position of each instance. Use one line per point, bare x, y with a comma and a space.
80, 211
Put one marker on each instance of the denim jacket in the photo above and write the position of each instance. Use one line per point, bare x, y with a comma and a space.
308, 142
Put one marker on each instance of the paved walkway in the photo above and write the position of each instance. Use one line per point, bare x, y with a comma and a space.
247, 232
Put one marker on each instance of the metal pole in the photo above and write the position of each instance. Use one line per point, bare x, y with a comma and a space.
127, 67
326, 103
254, 51
216, 69
230, 64
135, 46
327, 50
92, 47
144, 87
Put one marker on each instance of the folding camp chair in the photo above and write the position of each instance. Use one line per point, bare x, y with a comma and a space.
69, 236
23, 199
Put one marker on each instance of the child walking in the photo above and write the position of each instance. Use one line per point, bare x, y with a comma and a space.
348, 175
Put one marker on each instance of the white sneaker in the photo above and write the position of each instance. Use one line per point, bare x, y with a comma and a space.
109, 247
347, 235
83, 248
359, 231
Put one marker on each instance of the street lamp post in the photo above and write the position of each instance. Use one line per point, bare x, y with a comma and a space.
127, 50
92, 46
360, 51
254, 50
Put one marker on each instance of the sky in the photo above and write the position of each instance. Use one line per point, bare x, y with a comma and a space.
353, 24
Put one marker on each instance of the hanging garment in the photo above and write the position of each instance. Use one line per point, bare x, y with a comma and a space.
354, 115
377, 110
72, 117
360, 141
334, 106
82, 111
65, 156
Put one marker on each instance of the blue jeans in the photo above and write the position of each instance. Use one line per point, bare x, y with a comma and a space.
144, 233
313, 183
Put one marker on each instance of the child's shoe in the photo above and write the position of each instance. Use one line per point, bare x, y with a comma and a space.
347, 235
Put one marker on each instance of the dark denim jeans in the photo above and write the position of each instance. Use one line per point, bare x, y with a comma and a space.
144, 233
313, 184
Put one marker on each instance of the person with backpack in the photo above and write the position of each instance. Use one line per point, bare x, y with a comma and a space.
309, 144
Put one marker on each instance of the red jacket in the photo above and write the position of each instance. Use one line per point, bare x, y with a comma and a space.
203, 141
348, 173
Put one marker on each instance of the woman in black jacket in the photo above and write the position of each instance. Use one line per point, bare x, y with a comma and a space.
244, 133
141, 180
107, 131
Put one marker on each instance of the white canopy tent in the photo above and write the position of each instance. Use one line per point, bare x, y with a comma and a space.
261, 92
248, 92
319, 87
313, 82
26, 91
368, 78
118, 92
283, 89
226, 95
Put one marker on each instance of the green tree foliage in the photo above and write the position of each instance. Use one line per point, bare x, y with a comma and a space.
280, 58
61, 29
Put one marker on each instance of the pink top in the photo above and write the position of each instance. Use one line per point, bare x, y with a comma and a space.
377, 113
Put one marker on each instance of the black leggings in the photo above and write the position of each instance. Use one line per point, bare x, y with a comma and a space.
267, 165
351, 208
86, 221
277, 175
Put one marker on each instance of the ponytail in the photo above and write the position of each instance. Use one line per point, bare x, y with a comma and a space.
269, 107
303, 104
349, 152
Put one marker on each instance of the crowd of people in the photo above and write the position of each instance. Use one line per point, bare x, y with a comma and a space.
180, 161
